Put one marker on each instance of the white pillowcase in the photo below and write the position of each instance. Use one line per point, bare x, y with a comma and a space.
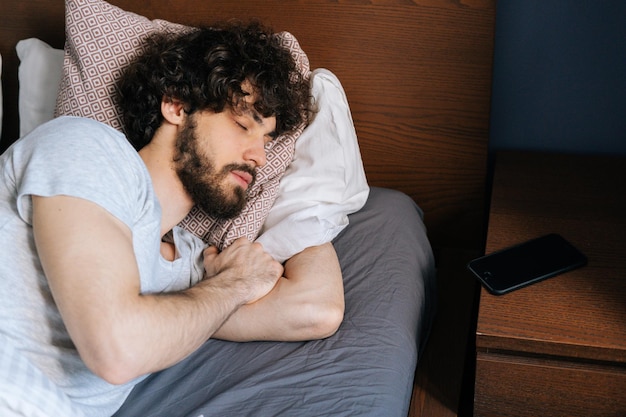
39, 74
0, 95
324, 183
326, 180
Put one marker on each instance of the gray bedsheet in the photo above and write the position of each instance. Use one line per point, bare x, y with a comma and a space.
365, 369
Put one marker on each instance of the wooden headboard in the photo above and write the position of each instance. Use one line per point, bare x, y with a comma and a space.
417, 74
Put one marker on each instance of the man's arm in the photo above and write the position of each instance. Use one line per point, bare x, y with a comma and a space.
88, 258
307, 303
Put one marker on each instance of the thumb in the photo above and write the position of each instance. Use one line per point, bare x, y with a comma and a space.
210, 252
210, 267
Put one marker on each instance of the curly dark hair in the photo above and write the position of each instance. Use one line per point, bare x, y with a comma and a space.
204, 69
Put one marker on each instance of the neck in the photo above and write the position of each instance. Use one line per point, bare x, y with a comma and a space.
174, 200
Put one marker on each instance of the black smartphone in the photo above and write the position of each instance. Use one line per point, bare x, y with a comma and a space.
526, 263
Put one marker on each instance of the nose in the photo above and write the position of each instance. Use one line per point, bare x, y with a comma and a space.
256, 152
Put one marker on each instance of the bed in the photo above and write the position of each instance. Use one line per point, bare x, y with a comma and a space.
417, 77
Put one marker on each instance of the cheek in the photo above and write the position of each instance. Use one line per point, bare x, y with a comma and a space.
222, 154
220, 143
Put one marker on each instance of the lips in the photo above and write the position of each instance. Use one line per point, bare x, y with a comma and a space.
243, 177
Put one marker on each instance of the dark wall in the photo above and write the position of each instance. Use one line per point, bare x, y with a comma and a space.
559, 80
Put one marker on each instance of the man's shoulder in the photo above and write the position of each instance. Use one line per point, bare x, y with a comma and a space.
68, 145
78, 137
80, 128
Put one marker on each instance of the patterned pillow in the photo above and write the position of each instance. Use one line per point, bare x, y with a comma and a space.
100, 40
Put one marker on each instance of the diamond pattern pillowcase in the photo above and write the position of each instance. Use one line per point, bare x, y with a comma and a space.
101, 39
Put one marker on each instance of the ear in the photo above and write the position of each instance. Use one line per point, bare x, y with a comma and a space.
173, 110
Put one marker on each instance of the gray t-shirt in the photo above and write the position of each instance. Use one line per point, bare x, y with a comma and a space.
39, 365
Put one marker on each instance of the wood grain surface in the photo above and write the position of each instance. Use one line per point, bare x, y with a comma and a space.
559, 344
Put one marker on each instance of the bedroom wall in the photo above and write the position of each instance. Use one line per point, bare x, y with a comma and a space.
559, 76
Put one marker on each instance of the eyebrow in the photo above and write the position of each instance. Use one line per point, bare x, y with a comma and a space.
255, 115
257, 118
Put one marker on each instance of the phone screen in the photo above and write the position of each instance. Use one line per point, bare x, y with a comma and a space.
529, 262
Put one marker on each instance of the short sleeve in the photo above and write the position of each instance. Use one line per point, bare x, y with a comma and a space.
85, 159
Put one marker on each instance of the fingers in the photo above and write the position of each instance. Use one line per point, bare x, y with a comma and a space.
210, 251
210, 266
213, 263
246, 265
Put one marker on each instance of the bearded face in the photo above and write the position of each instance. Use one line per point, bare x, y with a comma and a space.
207, 185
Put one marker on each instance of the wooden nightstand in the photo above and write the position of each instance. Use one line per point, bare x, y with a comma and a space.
557, 348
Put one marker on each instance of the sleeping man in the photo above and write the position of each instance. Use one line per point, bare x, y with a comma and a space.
98, 287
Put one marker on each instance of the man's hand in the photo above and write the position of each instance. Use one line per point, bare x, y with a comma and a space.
246, 265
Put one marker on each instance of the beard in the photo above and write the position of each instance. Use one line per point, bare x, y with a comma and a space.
207, 186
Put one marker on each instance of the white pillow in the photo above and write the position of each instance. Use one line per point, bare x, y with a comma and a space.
326, 180
324, 183
0, 95
40, 71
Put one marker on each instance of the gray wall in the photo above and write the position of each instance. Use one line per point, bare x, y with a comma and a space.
559, 80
